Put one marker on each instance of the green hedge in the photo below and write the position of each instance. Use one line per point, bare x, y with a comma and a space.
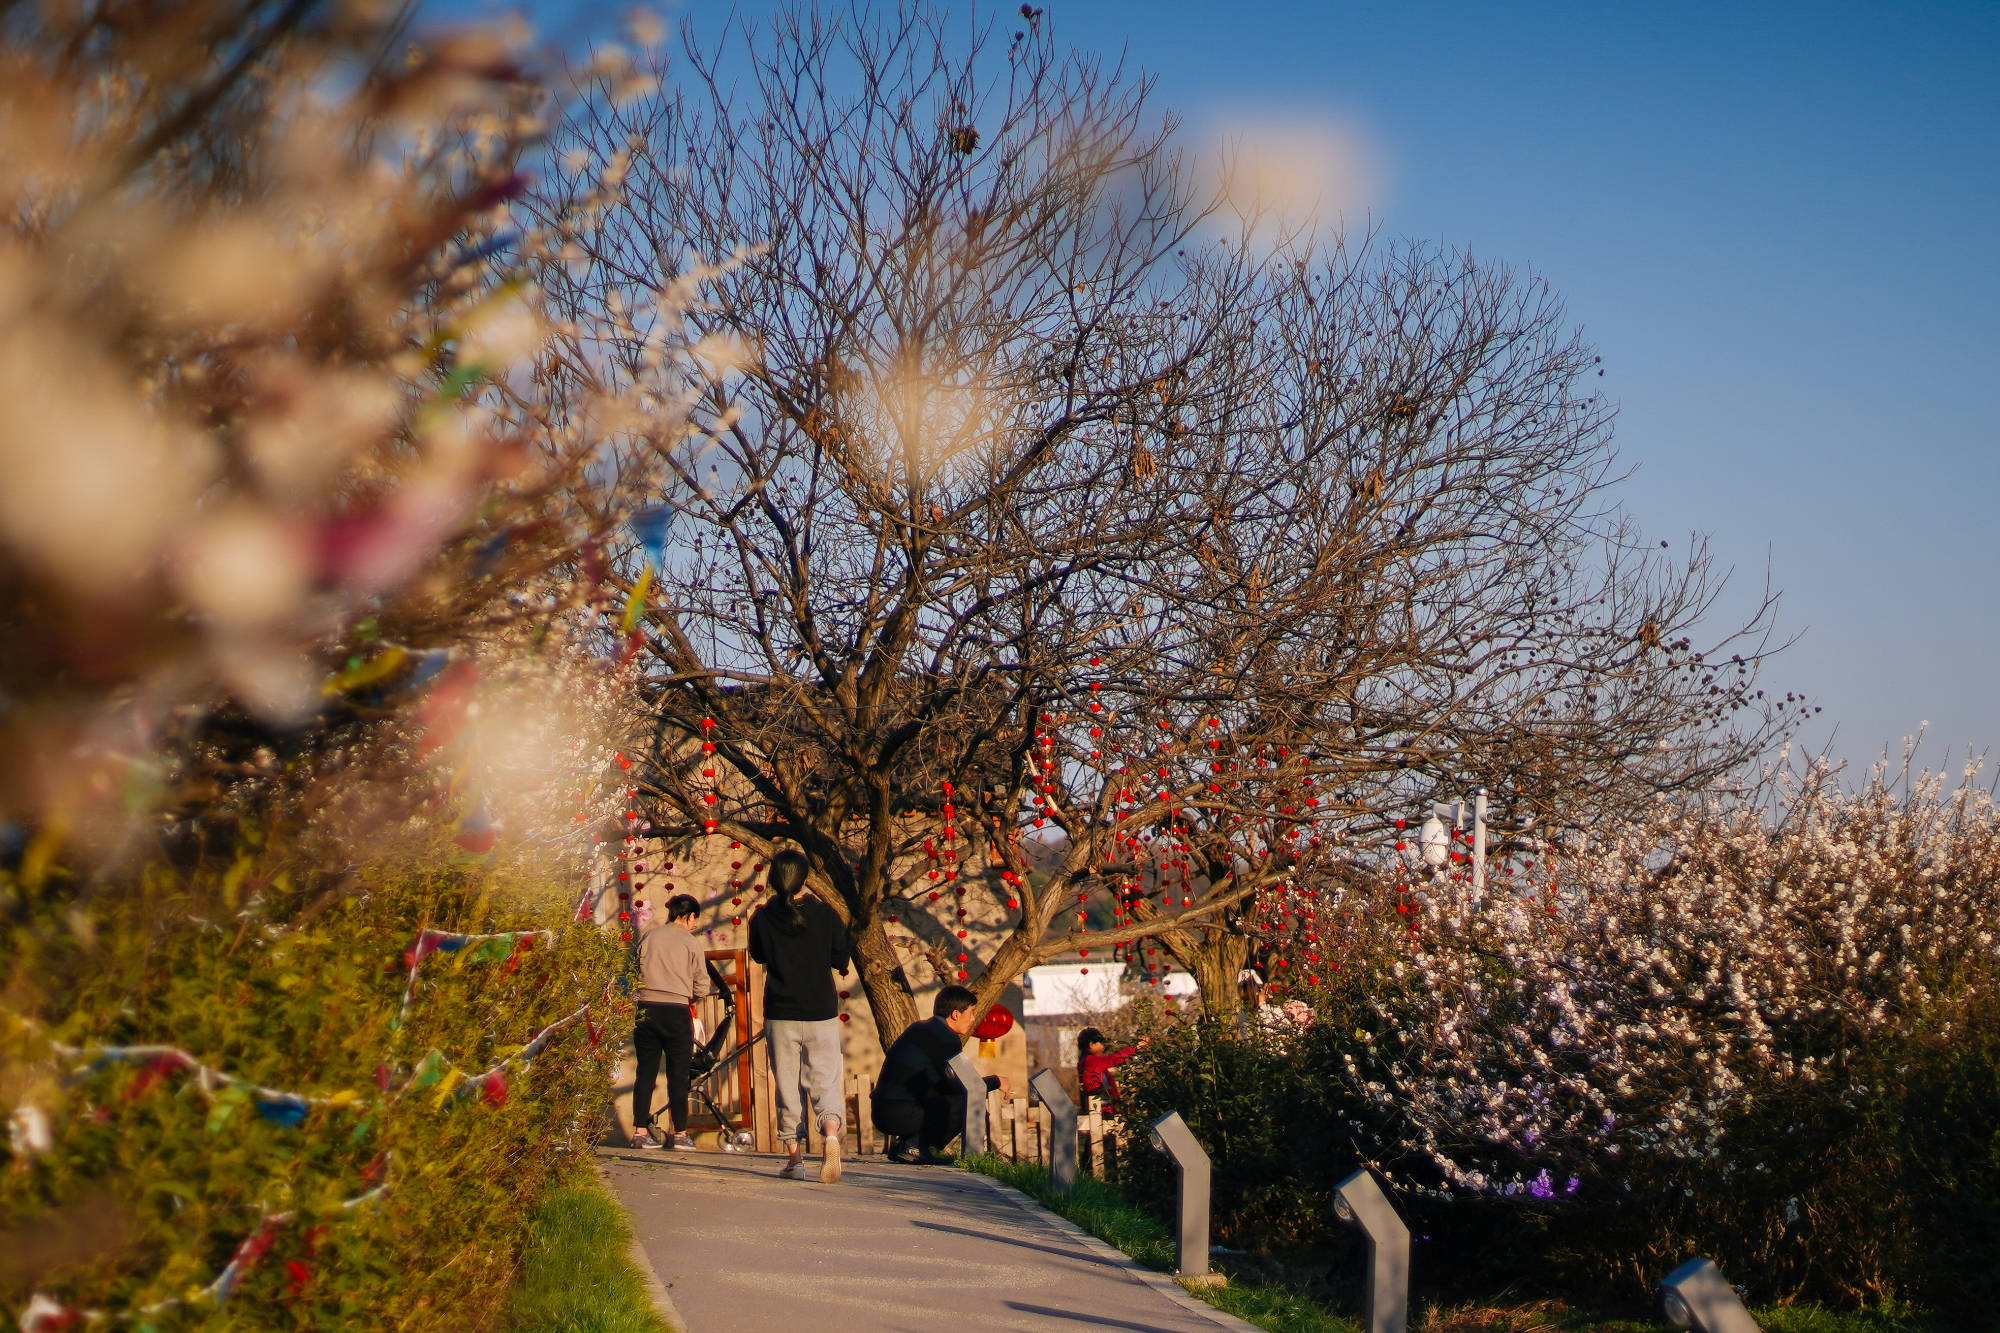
394, 1198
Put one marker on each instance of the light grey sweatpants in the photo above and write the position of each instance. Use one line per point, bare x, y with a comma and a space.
816, 1045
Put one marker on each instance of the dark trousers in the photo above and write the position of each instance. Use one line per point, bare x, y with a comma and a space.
936, 1121
662, 1030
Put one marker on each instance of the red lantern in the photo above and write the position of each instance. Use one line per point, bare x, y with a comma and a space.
999, 1021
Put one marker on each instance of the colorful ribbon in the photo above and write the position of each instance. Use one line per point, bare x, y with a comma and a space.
447, 941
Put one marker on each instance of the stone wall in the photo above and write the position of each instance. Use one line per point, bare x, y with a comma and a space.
727, 880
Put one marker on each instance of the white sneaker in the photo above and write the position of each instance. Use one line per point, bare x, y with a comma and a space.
682, 1143
829, 1162
643, 1138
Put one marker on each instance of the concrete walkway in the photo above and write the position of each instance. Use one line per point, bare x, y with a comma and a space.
889, 1248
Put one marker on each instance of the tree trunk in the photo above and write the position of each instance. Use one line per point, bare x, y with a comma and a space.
1212, 952
889, 997
1215, 962
1008, 964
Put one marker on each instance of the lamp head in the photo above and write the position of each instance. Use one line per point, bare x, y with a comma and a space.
1435, 843
1696, 1296
1360, 1202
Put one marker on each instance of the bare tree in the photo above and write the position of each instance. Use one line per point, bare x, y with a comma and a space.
1029, 543
1474, 609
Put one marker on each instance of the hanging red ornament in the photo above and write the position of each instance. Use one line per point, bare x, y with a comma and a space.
997, 1023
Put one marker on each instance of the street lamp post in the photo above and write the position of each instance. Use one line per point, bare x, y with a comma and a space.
1479, 846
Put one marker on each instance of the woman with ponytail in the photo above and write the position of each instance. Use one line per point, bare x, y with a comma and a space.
801, 944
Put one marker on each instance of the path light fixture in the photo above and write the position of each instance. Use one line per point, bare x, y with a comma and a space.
1171, 1136
966, 1071
1697, 1296
1360, 1202
1062, 1129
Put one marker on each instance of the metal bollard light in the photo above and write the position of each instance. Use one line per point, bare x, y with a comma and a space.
1697, 1296
1171, 1136
1359, 1201
1062, 1129
967, 1072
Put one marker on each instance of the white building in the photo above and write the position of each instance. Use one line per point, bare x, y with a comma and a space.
1079, 988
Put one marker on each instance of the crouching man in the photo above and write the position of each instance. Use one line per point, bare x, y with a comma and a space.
917, 1103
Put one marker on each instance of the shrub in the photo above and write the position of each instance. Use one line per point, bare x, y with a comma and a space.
1276, 1138
159, 1175
1777, 1044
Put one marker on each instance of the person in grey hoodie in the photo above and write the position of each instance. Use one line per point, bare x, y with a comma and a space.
673, 974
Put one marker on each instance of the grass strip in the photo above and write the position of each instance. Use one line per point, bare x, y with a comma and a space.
1099, 1209
1104, 1213
1091, 1204
1816, 1319
577, 1274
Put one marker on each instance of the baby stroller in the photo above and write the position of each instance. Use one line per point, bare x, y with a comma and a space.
709, 1069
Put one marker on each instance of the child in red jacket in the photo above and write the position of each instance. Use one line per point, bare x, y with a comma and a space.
1093, 1066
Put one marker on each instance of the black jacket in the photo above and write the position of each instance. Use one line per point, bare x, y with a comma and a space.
918, 1065
799, 967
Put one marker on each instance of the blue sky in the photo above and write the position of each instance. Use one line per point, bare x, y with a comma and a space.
1778, 224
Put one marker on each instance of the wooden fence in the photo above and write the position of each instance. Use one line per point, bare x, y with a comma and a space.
1015, 1128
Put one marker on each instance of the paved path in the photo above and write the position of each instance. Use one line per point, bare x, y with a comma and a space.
889, 1248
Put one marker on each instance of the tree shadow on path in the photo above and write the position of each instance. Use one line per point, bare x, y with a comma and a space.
1050, 1312
1081, 1255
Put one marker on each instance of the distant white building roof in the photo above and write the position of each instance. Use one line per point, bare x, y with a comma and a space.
1079, 988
